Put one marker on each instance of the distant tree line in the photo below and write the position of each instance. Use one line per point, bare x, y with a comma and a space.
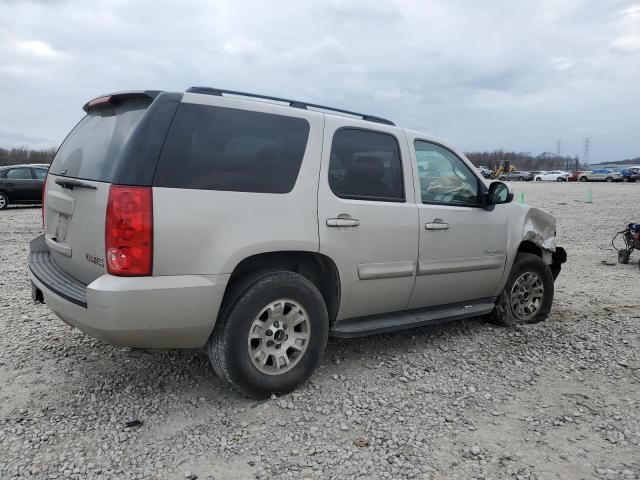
15, 156
520, 160
524, 160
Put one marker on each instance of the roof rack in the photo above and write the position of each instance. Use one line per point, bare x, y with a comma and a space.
292, 103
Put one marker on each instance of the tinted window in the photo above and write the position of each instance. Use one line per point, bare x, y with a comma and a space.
19, 174
444, 178
39, 173
3, 173
216, 148
94, 146
366, 165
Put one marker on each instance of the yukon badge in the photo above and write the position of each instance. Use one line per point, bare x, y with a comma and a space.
95, 260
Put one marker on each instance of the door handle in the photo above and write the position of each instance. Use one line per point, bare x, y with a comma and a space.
342, 222
10, 184
437, 224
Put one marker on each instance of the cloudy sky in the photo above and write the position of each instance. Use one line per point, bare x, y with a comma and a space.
483, 75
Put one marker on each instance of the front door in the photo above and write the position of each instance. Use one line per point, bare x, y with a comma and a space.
368, 220
463, 247
20, 184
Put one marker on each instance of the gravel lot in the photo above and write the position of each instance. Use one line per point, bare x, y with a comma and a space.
558, 400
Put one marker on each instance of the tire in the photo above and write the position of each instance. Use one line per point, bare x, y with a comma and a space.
559, 179
583, 179
525, 265
229, 346
4, 201
521, 179
625, 179
609, 179
502, 178
538, 179
623, 256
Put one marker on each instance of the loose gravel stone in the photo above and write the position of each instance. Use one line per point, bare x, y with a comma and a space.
560, 399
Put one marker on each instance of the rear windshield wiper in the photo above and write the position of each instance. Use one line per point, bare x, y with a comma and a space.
71, 184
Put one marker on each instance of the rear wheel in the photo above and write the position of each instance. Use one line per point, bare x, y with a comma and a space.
583, 179
270, 334
521, 179
538, 179
609, 179
528, 293
4, 201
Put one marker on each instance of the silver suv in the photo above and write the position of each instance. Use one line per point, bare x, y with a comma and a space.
257, 227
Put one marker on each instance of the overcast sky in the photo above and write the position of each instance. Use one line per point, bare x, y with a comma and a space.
483, 75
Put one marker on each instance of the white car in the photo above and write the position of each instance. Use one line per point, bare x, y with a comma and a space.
553, 176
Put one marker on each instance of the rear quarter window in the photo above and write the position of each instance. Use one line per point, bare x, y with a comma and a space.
217, 148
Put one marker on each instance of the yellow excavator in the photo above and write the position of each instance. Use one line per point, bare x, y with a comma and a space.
502, 167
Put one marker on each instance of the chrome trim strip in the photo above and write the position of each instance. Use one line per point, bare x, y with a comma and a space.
370, 271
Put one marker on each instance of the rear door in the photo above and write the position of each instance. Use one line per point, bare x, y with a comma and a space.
78, 186
367, 217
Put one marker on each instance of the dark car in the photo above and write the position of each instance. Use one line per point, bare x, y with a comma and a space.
21, 184
517, 175
630, 174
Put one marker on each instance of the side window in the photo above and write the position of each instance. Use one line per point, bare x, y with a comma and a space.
39, 173
19, 174
444, 178
366, 165
3, 173
216, 148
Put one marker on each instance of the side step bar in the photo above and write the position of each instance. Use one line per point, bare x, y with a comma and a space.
373, 324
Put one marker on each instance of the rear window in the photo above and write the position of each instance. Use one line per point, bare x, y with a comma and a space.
216, 148
93, 149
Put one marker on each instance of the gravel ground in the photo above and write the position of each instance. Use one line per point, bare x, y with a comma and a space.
558, 400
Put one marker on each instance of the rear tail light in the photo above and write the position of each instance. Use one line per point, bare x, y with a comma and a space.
129, 231
44, 191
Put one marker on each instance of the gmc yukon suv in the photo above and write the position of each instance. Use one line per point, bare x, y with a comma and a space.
257, 226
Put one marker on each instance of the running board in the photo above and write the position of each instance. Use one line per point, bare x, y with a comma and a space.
390, 322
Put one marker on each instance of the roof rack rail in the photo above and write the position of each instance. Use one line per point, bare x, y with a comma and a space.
292, 103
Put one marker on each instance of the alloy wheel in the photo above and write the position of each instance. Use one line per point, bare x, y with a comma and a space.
279, 336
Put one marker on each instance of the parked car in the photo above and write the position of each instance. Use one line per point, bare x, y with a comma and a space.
21, 184
630, 174
575, 175
486, 172
600, 175
552, 176
517, 175
258, 229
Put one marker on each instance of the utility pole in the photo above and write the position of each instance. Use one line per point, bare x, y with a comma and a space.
559, 153
586, 145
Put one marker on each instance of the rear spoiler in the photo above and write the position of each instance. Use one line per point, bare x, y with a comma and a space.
118, 98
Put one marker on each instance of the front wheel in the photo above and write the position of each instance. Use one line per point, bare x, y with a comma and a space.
528, 293
4, 201
609, 179
270, 334
538, 179
559, 179
583, 179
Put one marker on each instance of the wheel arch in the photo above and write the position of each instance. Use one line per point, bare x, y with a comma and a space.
319, 269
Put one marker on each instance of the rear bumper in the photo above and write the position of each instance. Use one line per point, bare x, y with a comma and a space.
176, 311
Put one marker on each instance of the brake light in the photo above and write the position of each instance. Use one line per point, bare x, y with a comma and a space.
129, 231
44, 190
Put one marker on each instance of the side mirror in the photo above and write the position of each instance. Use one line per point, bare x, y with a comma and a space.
499, 193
